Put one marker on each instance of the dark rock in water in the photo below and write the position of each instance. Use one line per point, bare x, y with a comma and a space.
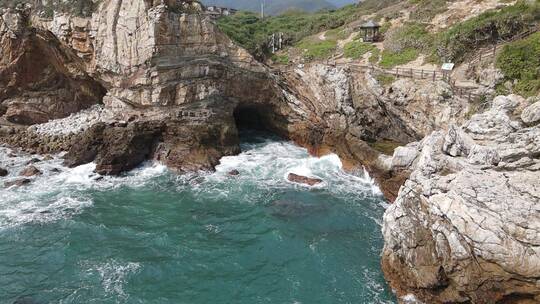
295, 209
26, 300
87, 148
115, 149
33, 161
30, 171
234, 172
3, 172
18, 183
56, 170
295, 178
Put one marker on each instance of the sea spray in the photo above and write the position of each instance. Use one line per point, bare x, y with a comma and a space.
72, 236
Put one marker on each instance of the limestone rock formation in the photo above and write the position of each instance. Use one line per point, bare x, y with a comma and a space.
40, 79
465, 225
531, 114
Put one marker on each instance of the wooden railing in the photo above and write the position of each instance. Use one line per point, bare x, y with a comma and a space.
492, 50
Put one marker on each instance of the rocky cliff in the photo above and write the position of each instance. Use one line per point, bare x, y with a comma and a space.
40, 79
167, 71
464, 228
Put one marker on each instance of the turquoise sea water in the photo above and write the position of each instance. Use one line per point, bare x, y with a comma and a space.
154, 237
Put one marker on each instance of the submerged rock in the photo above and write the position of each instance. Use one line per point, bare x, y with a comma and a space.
299, 179
3, 172
30, 171
292, 209
234, 172
18, 183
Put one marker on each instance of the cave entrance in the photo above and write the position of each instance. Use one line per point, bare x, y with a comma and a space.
255, 122
253, 118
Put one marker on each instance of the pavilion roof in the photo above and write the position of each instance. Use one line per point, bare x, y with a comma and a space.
370, 24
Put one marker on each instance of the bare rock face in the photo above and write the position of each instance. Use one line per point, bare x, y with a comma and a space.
17, 183
30, 171
465, 225
39, 78
531, 114
299, 179
167, 54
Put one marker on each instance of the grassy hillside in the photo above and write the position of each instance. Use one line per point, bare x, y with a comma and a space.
520, 63
252, 32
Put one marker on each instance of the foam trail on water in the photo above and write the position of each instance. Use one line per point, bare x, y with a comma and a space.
59, 192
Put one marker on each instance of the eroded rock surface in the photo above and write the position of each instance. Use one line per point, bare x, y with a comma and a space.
40, 79
466, 225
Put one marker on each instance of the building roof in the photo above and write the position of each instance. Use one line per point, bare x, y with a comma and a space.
370, 24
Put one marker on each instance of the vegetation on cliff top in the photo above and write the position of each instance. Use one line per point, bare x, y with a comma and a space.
252, 32
520, 63
464, 38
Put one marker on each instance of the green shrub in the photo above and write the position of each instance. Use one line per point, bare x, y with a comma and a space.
252, 32
356, 49
464, 38
317, 49
375, 56
409, 36
336, 34
281, 59
520, 61
385, 79
391, 59
425, 10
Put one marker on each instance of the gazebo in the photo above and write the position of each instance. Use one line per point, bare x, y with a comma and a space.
370, 30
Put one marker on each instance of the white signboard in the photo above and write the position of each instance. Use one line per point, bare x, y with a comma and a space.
447, 66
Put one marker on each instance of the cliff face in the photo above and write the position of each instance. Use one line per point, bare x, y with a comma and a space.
168, 72
40, 79
341, 109
464, 227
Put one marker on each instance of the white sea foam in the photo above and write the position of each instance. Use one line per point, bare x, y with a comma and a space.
59, 192
270, 163
114, 275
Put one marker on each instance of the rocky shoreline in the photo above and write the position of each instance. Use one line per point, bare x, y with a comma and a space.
151, 80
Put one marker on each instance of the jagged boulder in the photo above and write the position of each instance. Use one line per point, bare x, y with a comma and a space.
30, 171
465, 226
531, 114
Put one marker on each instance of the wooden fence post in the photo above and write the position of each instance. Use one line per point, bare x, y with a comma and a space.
422, 77
412, 75
434, 75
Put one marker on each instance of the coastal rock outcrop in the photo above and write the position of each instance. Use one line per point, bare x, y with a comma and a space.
465, 225
40, 79
299, 179
162, 63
